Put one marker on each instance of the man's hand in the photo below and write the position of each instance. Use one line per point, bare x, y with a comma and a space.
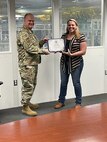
46, 51
45, 40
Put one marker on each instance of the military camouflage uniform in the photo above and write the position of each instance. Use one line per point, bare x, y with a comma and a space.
28, 57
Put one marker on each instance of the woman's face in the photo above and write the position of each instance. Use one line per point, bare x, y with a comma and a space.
71, 26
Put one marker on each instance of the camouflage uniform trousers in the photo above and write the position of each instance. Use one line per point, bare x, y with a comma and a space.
29, 80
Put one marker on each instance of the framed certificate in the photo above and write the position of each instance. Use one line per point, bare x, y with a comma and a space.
56, 45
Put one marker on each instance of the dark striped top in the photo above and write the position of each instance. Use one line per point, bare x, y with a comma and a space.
74, 46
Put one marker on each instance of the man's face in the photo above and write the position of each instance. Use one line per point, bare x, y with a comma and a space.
29, 21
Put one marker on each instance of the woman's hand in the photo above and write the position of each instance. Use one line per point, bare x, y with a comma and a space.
67, 53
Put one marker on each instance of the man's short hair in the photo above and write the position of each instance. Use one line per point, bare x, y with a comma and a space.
27, 14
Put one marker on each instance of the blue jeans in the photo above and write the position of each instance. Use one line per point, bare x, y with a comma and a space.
76, 74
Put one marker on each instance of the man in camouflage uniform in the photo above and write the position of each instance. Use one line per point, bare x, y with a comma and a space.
29, 57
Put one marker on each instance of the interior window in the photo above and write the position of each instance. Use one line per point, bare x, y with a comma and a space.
88, 14
42, 11
4, 35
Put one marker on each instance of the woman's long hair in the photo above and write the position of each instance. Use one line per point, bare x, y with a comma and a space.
77, 32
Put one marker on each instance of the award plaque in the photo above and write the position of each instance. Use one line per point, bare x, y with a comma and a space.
56, 45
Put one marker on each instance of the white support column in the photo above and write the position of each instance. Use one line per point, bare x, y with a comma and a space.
105, 42
13, 46
55, 19
56, 34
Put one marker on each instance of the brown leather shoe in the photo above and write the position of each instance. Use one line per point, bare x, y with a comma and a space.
58, 105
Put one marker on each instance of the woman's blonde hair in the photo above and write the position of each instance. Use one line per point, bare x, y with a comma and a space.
77, 32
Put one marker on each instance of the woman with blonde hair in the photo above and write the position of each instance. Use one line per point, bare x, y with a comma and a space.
71, 62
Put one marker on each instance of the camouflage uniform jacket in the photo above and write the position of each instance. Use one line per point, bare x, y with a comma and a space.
28, 48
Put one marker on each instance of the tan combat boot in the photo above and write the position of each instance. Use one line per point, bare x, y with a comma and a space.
26, 110
33, 106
